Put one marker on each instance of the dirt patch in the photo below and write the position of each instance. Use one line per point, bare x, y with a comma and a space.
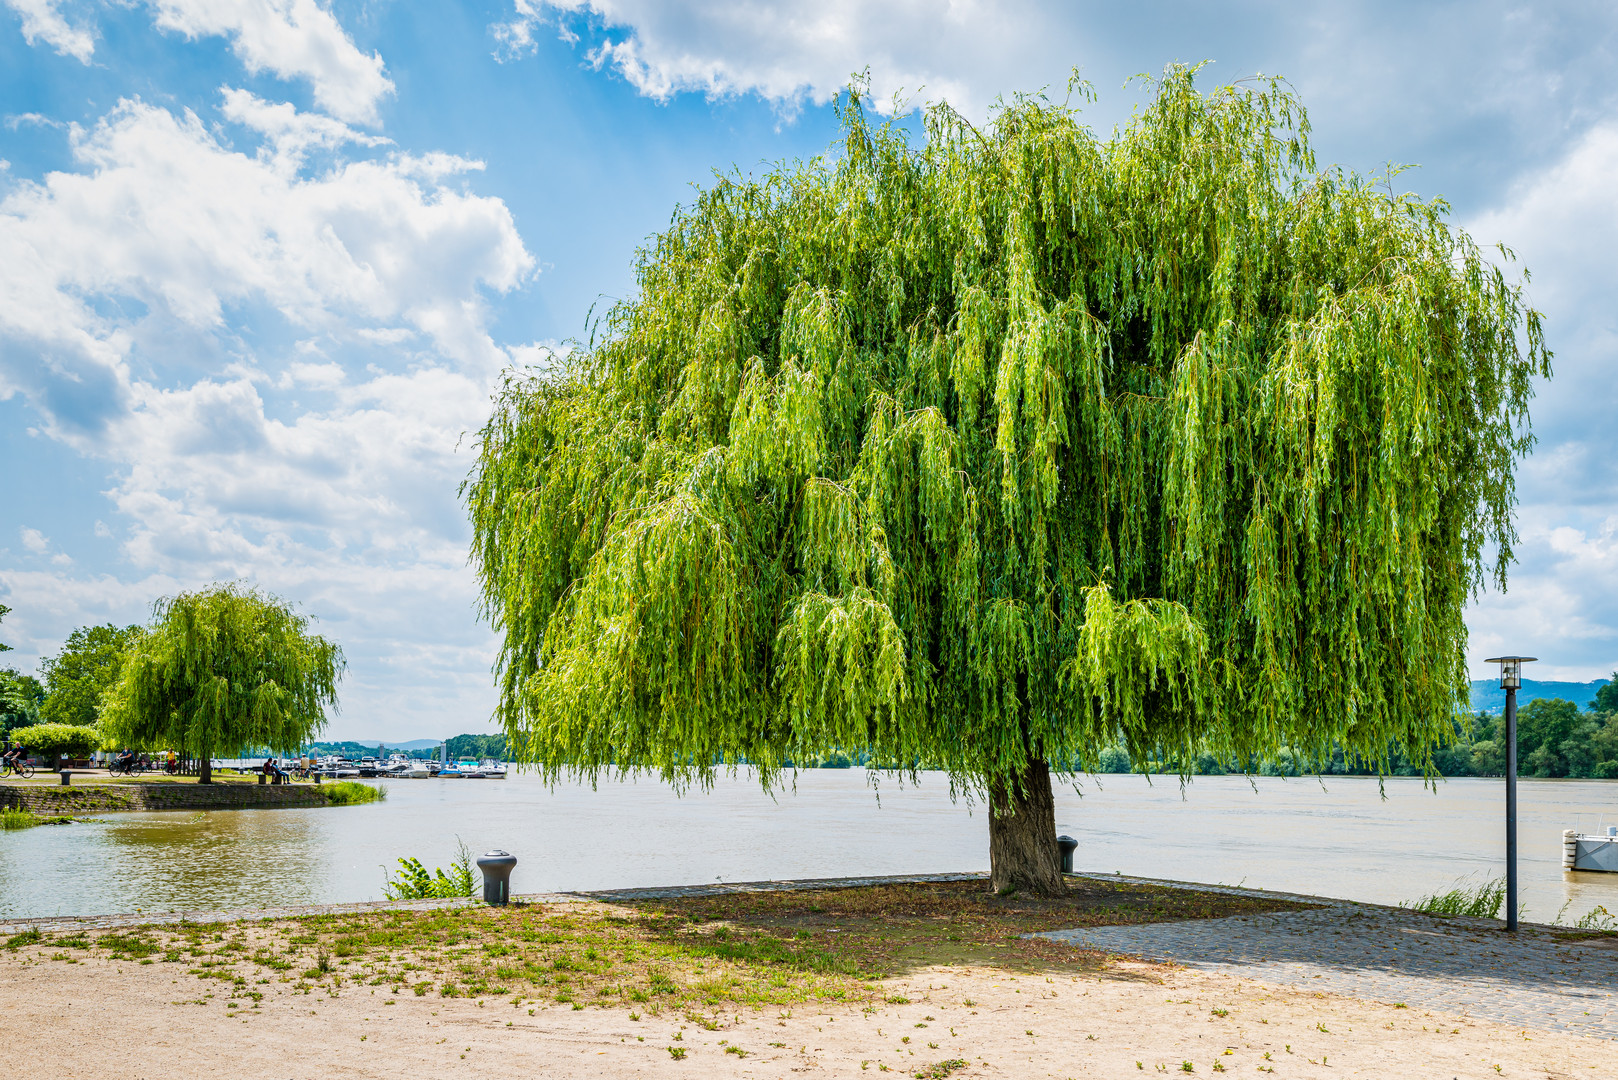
887, 930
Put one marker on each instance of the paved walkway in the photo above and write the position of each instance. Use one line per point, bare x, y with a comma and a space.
1469, 967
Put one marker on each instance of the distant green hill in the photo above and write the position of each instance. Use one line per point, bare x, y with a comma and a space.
1488, 697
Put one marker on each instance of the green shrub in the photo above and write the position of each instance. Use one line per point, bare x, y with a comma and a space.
67, 740
415, 883
349, 792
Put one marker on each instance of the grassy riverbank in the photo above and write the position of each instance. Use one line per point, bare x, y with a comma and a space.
23, 819
99, 794
755, 949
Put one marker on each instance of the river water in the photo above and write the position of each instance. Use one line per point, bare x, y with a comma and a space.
1333, 838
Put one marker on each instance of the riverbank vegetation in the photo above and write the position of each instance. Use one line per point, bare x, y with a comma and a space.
14, 818
692, 957
1554, 739
1482, 900
352, 792
415, 883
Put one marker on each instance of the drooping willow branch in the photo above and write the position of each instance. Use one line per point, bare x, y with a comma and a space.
1009, 442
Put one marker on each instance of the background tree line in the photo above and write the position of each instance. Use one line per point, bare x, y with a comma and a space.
216, 670
1554, 739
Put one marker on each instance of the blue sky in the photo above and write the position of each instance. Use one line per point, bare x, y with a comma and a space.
262, 261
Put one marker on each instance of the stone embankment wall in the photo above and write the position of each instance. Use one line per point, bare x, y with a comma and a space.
105, 797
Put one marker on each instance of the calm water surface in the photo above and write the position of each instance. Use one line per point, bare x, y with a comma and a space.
1341, 840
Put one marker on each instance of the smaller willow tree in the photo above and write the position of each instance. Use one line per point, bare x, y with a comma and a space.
984, 453
220, 670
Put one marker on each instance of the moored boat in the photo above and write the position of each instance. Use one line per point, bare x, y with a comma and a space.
1591, 851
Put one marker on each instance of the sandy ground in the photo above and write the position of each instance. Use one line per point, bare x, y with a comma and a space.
116, 1019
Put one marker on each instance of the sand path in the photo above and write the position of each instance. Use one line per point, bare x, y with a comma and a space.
116, 1019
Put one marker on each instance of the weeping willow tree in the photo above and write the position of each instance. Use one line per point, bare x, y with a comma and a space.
220, 670
986, 452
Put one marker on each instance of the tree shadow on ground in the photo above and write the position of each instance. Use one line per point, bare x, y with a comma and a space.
881, 931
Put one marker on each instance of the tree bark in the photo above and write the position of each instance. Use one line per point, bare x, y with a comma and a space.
1023, 856
206, 776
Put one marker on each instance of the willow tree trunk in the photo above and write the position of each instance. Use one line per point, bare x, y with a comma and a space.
1023, 856
206, 762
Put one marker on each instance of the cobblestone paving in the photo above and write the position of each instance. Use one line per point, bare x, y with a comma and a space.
1469, 967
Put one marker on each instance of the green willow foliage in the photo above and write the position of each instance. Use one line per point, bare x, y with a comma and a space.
993, 448
221, 669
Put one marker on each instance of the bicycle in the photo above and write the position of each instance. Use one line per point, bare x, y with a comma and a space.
128, 768
16, 768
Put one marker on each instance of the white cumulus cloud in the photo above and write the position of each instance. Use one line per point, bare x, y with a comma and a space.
799, 51
1562, 603
43, 21
292, 39
278, 347
165, 229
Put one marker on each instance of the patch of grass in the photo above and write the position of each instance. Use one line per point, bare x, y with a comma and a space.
1480, 901
694, 958
938, 1070
13, 818
352, 792
17, 819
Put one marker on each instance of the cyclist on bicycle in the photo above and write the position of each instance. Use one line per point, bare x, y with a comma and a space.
13, 753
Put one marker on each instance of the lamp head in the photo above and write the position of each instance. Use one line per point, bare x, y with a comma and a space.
1510, 669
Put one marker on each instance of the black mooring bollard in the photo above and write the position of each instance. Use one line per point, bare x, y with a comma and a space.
67, 777
496, 867
1067, 844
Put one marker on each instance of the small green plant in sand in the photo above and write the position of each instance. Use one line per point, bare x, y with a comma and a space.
351, 792
415, 883
1480, 901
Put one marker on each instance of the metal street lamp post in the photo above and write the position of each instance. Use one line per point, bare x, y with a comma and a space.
1510, 680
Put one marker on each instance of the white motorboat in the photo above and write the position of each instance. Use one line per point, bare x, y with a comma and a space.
492, 770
